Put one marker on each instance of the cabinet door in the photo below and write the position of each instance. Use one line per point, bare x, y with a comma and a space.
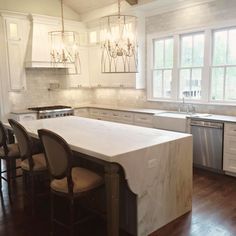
81, 79
113, 80
17, 33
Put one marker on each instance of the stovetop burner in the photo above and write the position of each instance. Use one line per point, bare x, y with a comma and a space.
58, 107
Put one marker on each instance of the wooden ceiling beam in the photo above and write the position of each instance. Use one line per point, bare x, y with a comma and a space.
132, 2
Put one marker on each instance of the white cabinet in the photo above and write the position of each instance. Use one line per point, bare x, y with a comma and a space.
23, 116
145, 120
17, 31
126, 117
113, 80
80, 80
82, 112
229, 156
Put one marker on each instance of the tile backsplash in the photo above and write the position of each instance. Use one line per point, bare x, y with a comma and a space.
137, 98
38, 93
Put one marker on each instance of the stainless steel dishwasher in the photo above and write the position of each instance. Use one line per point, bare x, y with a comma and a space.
207, 144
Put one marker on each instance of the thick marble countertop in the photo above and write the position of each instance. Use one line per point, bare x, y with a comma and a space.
94, 137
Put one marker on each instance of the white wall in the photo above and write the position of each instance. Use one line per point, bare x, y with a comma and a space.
42, 7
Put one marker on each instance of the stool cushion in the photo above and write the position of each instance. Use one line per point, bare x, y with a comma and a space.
13, 151
39, 163
83, 179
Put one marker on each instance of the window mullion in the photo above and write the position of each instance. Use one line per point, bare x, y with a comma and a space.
225, 73
206, 70
175, 70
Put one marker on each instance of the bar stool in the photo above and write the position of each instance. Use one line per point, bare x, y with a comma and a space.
9, 153
66, 181
32, 165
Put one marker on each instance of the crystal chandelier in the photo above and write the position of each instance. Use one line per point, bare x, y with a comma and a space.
64, 48
119, 43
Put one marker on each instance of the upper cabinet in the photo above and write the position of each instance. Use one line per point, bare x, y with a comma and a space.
16, 34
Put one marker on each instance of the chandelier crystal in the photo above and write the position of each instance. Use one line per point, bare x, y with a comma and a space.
118, 38
64, 48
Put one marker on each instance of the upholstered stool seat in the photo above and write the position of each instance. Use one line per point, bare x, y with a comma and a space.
39, 163
83, 180
13, 151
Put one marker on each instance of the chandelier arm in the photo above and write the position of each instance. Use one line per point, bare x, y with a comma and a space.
62, 17
119, 7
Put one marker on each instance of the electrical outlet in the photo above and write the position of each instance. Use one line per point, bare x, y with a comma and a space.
152, 163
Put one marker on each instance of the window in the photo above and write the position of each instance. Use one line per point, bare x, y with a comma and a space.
191, 65
198, 66
162, 68
223, 74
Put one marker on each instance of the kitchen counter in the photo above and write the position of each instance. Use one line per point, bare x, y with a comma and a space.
129, 109
212, 117
22, 111
157, 163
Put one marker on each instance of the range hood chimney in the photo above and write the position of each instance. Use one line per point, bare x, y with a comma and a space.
39, 45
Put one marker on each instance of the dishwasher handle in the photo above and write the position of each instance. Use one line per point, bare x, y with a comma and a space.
207, 124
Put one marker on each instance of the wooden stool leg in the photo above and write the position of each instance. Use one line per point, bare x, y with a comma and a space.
52, 214
72, 217
8, 163
32, 180
1, 174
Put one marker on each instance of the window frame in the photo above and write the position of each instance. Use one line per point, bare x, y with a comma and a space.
162, 69
207, 67
223, 66
191, 68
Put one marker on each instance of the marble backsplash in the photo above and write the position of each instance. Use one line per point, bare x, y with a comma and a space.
138, 98
38, 93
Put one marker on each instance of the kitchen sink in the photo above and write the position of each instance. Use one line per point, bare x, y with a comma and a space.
175, 121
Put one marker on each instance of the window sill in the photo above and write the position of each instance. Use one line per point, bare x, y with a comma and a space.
194, 102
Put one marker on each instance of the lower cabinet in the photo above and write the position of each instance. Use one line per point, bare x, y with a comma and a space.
23, 117
229, 155
125, 117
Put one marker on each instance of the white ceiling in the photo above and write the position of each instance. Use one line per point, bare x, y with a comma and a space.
84, 6
89, 8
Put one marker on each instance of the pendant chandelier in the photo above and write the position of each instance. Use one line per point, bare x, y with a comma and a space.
118, 38
64, 48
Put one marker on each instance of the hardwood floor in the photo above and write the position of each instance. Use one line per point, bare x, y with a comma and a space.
214, 212
214, 208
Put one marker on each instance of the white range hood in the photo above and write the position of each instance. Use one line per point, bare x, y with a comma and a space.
38, 51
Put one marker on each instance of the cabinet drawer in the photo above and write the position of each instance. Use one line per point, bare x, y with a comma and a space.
24, 117
94, 112
230, 129
115, 115
105, 113
143, 119
127, 117
82, 112
230, 144
229, 163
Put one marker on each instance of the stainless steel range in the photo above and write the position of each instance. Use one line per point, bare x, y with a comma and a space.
53, 111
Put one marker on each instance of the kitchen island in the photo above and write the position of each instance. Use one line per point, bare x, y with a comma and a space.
157, 166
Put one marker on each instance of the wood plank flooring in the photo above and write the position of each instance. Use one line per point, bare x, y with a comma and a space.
214, 212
